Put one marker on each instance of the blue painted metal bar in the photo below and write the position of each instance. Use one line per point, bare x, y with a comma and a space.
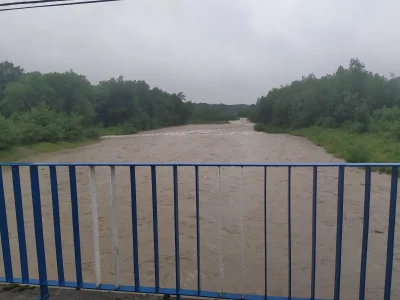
367, 200
339, 231
163, 291
314, 231
57, 224
44, 283
134, 228
265, 234
5, 242
19, 215
391, 228
190, 164
196, 176
155, 228
75, 225
289, 233
37, 218
176, 227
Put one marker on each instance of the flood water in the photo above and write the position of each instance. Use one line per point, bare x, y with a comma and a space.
235, 202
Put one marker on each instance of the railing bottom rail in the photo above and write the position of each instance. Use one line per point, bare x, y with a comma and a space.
152, 290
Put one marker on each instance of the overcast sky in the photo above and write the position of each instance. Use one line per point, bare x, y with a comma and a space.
214, 51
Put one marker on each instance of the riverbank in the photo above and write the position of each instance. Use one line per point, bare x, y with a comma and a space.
24, 151
21, 152
344, 144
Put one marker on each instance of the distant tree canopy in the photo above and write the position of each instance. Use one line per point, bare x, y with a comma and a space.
208, 113
36, 107
353, 98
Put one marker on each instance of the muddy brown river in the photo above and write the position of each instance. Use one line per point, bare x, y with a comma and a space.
235, 142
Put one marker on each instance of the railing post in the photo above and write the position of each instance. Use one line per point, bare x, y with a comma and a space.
339, 229
391, 228
242, 232
289, 233
75, 226
19, 214
314, 232
265, 234
57, 225
221, 270
196, 175
5, 242
367, 198
135, 244
37, 218
176, 227
114, 227
95, 225
155, 228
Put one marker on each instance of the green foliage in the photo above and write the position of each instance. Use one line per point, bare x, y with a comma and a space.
8, 133
351, 95
352, 113
92, 133
268, 128
38, 108
202, 113
353, 147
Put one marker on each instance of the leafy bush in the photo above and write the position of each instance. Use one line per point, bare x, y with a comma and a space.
32, 133
357, 127
357, 153
9, 134
259, 127
128, 129
92, 133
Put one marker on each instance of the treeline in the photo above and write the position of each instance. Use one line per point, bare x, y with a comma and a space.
52, 107
211, 113
352, 100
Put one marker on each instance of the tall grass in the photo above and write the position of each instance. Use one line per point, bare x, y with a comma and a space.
350, 146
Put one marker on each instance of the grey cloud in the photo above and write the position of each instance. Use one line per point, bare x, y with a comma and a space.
230, 51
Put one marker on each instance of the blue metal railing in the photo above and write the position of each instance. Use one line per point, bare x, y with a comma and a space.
44, 282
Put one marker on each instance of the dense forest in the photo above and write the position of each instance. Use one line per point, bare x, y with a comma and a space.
211, 113
350, 103
52, 107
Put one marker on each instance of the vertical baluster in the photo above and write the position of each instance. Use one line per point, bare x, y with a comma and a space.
176, 227
367, 199
339, 232
57, 225
75, 226
391, 228
19, 214
134, 228
221, 270
95, 225
242, 231
196, 175
265, 234
114, 227
5, 242
37, 219
314, 232
155, 228
289, 234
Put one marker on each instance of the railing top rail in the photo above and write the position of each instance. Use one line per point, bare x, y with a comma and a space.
194, 164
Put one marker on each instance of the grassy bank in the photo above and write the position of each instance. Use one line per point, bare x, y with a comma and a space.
351, 147
18, 153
